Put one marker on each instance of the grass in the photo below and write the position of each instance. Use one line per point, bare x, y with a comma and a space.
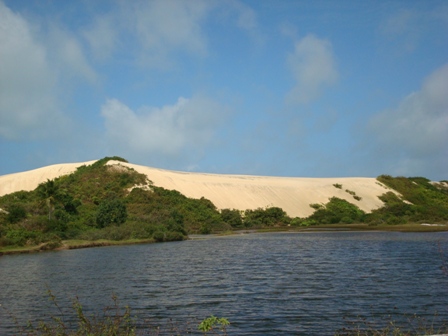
117, 320
114, 320
77, 244
73, 244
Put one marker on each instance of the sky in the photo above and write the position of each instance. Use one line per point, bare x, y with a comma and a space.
283, 88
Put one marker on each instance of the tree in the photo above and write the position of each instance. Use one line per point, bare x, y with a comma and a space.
111, 212
47, 191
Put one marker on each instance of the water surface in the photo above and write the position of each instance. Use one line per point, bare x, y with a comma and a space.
265, 284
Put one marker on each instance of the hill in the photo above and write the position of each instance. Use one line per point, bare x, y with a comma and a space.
114, 200
293, 194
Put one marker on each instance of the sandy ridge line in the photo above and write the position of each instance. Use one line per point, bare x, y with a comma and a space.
293, 194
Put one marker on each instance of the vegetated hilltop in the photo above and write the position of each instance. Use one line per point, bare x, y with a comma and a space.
241, 192
114, 200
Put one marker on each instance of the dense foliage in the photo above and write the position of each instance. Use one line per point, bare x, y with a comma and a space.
103, 201
335, 211
420, 200
411, 200
114, 202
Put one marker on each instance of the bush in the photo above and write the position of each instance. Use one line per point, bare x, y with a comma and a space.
337, 211
159, 236
427, 201
265, 217
111, 212
232, 217
16, 212
52, 241
19, 237
174, 236
205, 228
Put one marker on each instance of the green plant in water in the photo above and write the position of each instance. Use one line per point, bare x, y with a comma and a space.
211, 322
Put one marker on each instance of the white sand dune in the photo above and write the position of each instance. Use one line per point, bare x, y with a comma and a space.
293, 194
29, 180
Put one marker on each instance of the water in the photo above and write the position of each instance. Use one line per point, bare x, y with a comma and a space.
265, 284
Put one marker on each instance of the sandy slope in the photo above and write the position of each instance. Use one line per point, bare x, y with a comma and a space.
29, 180
292, 194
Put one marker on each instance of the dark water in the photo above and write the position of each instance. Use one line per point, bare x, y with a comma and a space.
265, 284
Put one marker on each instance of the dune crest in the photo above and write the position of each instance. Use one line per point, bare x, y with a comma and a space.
292, 194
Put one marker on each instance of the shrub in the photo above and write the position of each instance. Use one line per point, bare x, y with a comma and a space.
158, 236
317, 206
174, 236
205, 228
111, 212
337, 211
232, 217
52, 242
16, 212
19, 237
265, 217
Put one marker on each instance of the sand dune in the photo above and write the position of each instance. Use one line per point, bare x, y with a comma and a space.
29, 180
293, 194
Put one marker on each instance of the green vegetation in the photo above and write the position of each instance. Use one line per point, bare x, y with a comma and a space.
110, 203
210, 324
114, 320
420, 201
336, 211
102, 202
414, 200
119, 321
269, 217
111, 212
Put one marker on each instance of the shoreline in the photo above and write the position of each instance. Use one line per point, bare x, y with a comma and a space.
80, 244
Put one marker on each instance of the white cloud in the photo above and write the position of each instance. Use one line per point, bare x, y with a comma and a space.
245, 15
28, 107
102, 36
156, 32
39, 61
172, 23
162, 27
313, 66
406, 29
68, 56
167, 132
414, 135
403, 29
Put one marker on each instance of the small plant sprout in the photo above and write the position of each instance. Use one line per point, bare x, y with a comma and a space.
208, 324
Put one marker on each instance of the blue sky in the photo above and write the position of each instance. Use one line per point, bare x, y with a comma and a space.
287, 88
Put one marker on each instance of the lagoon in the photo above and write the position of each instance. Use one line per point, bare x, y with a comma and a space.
265, 284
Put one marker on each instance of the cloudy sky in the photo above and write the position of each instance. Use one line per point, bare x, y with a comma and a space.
288, 88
